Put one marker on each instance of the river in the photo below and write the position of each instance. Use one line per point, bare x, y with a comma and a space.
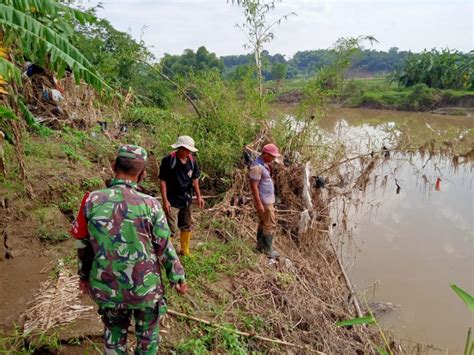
411, 229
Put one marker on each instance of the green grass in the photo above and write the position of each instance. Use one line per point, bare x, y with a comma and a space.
17, 343
217, 258
378, 92
206, 340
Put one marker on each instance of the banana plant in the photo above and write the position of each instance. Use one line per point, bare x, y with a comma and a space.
443, 69
39, 30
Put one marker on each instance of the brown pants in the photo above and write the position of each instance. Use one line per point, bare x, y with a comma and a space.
267, 220
179, 219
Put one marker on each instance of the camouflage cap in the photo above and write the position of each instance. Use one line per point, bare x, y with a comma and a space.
132, 152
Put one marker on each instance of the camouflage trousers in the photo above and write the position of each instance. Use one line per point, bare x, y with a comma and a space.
116, 323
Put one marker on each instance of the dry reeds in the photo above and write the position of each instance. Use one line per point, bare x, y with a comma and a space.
304, 294
56, 303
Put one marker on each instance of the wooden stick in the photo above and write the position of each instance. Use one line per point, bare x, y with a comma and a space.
346, 278
275, 341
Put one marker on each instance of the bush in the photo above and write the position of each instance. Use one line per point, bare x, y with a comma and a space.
420, 98
352, 91
226, 124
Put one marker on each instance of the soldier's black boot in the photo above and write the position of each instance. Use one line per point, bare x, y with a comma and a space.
260, 241
268, 240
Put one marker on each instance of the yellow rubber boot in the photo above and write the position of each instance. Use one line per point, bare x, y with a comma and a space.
185, 239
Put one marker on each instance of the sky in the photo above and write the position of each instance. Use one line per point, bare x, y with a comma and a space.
171, 26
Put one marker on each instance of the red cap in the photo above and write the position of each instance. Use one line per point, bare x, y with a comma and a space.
271, 149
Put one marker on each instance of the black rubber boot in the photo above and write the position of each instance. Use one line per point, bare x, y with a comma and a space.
268, 240
260, 241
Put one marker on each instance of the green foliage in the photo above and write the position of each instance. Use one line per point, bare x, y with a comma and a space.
40, 31
227, 123
122, 61
27, 26
355, 321
6, 113
420, 97
73, 155
225, 127
115, 54
31, 121
70, 198
332, 77
207, 340
253, 322
469, 346
467, 298
152, 116
258, 31
296, 133
416, 98
176, 66
16, 342
443, 69
214, 264
86, 148
92, 183
279, 71
305, 64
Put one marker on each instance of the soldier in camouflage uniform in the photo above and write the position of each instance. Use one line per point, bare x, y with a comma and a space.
123, 240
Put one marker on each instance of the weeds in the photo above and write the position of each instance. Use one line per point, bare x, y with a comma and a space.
92, 183
205, 340
16, 342
253, 322
216, 259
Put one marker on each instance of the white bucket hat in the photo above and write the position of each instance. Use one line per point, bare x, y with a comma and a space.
185, 142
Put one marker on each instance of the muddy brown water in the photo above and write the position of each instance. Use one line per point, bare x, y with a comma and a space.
406, 248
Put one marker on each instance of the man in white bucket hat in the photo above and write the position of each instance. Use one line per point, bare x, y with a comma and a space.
179, 179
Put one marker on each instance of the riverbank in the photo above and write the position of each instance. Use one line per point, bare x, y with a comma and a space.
232, 286
290, 305
377, 93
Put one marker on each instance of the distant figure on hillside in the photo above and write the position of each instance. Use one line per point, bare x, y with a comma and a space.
263, 193
123, 240
179, 179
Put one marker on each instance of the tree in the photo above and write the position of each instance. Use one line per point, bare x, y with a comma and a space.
115, 54
332, 77
258, 31
279, 72
175, 66
122, 61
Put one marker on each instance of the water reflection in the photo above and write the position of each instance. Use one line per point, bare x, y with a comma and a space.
410, 216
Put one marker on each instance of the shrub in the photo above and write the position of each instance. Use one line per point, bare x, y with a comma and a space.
421, 97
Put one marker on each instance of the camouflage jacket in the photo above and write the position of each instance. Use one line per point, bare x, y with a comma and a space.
123, 239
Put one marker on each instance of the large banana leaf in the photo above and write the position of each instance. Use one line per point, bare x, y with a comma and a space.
50, 8
9, 71
5, 112
38, 40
